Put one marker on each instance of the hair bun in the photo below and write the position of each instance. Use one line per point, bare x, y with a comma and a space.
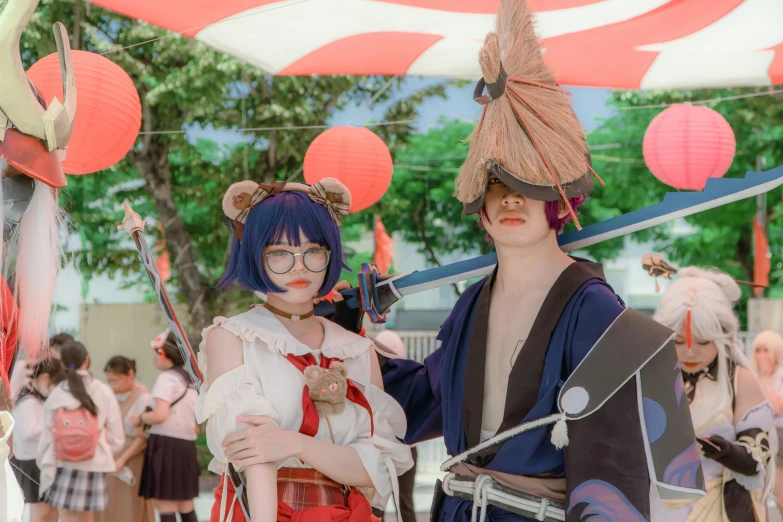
725, 282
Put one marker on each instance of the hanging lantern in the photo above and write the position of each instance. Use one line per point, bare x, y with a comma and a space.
357, 157
685, 145
108, 110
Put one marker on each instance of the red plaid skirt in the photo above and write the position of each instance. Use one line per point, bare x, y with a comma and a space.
304, 495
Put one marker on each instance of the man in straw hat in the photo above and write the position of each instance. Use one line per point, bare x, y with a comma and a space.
542, 352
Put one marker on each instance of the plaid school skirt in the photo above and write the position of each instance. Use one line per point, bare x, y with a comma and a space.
78, 490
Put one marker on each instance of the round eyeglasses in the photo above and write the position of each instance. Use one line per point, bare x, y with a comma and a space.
282, 261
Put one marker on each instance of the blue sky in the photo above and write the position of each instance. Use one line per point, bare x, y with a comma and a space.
589, 104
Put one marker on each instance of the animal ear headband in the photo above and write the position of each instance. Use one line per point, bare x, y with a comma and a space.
242, 197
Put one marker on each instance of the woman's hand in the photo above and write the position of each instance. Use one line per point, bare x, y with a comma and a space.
335, 294
262, 443
120, 462
135, 420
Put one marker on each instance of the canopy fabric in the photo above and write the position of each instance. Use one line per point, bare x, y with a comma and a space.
645, 44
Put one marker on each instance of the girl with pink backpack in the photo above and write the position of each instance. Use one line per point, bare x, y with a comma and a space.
82, 430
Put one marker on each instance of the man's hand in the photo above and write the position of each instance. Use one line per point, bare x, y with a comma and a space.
335, 294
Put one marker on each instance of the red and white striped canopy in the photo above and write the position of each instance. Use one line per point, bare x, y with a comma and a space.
627, 44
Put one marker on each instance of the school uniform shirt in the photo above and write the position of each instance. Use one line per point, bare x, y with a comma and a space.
110, 439
28, 413
181, 421
269, 385
137, 408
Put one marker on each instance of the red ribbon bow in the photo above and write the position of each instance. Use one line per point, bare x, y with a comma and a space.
310, 419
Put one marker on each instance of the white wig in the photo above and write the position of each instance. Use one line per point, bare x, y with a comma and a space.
710, 296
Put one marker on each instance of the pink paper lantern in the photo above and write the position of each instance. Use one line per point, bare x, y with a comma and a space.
685, 145
355, 156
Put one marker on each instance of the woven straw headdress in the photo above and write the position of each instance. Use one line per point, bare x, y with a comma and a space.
528, 136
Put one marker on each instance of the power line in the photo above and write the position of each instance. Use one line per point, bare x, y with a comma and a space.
703, 102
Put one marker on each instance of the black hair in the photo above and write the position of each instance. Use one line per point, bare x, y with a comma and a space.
73, 355
51, 367
61, 339
172, 352
120, 364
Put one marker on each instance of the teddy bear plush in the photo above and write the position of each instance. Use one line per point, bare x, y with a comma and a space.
327, 387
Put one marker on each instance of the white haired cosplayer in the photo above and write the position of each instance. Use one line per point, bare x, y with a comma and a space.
710, 296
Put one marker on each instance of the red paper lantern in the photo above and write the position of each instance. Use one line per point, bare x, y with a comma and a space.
685, 145
357, 157
108, 110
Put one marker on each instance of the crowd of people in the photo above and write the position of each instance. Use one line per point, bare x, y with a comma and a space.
89, 449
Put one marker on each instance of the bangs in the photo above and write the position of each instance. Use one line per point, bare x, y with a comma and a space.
295, 214
280, 218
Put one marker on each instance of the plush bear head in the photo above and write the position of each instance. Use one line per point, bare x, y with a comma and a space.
327, 387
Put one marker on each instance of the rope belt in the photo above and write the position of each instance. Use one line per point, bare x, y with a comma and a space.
484, 492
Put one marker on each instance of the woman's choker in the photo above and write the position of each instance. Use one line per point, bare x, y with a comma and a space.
286, 315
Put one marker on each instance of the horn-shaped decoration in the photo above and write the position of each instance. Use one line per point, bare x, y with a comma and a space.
242, 197
656, 267
19, 104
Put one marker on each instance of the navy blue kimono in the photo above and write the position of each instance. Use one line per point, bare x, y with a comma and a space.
605, 464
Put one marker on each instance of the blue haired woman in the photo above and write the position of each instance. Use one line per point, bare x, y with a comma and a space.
295, 402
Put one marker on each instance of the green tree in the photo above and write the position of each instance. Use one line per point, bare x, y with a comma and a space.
184, 84
419, 205
724, 235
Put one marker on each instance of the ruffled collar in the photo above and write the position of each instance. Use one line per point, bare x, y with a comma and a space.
261, 324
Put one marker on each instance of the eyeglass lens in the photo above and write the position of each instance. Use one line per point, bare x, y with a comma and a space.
282, 261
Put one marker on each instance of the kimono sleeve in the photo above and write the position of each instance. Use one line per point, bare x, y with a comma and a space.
416, 386
605, 460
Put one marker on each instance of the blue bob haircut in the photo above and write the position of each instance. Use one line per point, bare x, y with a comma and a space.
275, 218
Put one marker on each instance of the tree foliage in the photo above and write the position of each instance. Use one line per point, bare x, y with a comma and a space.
177, 182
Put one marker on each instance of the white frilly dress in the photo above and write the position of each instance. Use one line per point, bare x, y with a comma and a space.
269, 385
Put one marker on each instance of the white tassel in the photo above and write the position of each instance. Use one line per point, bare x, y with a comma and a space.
560, 433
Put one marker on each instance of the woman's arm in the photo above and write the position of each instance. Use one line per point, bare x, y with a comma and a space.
265, 442
158, 415
224, 353
136, 447
262, 491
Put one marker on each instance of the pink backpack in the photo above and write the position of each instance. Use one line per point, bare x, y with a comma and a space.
75, 434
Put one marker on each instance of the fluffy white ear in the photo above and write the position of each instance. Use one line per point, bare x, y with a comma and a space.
238, 198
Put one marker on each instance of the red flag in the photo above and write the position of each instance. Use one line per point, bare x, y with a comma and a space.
761, 262
163, 261
383, 247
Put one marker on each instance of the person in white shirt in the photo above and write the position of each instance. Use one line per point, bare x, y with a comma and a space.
75, 460
124, 501
21, 376
294, 402
28, 412
170, 472
767, 356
